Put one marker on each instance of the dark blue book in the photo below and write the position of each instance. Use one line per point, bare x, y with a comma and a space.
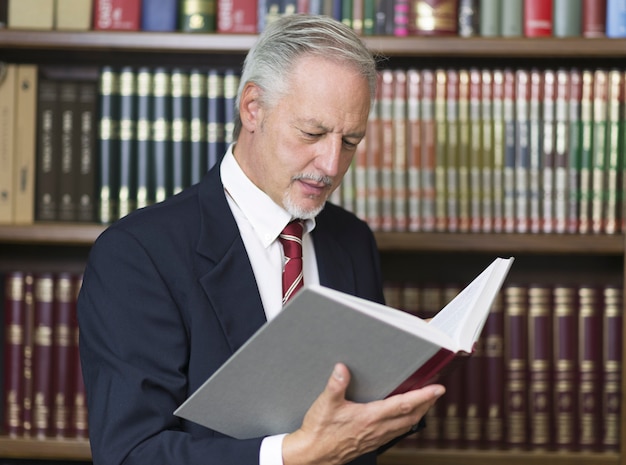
145, 187
159, 15
86, 171
231, 83
161, 133
197, 127
180, 130
108, 143
127, 193
215, 116
47, 150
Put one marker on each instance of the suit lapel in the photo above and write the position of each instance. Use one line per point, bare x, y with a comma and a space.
229, 284
333, 263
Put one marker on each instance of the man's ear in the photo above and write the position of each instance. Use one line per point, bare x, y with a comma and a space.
249, 107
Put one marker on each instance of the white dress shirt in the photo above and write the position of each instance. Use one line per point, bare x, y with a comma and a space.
260, 221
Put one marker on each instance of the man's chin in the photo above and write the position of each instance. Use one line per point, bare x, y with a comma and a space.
303, 210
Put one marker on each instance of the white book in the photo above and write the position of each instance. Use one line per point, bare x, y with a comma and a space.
268, 385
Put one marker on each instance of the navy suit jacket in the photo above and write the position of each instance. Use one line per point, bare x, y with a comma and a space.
168, 295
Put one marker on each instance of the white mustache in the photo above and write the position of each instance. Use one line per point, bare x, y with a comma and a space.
326, 180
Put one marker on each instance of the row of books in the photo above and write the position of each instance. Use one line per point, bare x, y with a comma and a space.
488, 150
465, 18
44, 394
545, 374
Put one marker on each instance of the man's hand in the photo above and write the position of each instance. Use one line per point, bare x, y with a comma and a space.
335, 430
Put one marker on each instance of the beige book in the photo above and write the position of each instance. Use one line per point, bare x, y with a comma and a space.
25, 135
31, 14
73, 15
8, 79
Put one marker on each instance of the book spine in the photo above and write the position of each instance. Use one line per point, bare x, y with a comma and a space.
516, 366
47, 151
127, 191
386, 172
567, 18
489, 12
611, 363
429, 150
599, 151
537, 18
574, 147
25, 144
473, 415
236, 16
197, 125
29, 329
374, 161
231, 83
615, 18
469, 18
117, 15
357, 16
441, 147
464, 159
145, 189
586, 121
414, 147
535, 152
74, 15
594, 18
399, 163
8, 111
589, 361
161, 133
614, 122
512, 18
14, 329
86, 152
493, 341
401, 18
433, 17
42, 354
488, 176
498, 150
509, 123
160, 15
66, 200
108, 143
196, 15
548, 151
181, 165
78, 418
359, 171
565, 371
540, 335
385, 17
215, 116
62, 339
561, 152
479, 159
369, 17
20, 14
522, 150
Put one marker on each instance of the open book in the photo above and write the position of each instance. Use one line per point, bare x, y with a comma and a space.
267, 386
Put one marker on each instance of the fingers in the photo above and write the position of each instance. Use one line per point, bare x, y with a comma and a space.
338, 382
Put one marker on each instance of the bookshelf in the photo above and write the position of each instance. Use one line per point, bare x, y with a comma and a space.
67, 244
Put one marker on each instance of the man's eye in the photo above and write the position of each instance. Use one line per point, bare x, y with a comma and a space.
350, 145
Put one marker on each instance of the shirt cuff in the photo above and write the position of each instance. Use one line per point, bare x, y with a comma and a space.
271, 452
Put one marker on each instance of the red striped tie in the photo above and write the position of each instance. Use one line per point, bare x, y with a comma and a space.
291, 238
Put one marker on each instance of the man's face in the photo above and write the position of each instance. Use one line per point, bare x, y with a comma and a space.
300, 149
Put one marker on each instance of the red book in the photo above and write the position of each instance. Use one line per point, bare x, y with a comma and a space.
374, 161
428, 150
29, 307
594, 18
236, 16
479, 161
14, 327
451, 158
62, 347
540, 365
565, 362
42, 354
117, 15
386, 173
590, 368
399, 163
538, 18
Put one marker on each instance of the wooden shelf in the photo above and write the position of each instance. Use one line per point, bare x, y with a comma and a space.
406, 456
85, 234
46, 449
160, 42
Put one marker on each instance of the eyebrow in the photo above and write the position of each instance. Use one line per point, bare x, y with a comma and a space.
322, 127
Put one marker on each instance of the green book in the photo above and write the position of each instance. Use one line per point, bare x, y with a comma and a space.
512, 18
197, 15
567, 18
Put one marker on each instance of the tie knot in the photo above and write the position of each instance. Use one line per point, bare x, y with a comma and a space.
291, 238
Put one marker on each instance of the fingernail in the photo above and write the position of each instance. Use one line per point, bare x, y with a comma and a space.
337, 375
438, 391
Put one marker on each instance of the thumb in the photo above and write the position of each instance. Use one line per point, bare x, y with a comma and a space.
338, 382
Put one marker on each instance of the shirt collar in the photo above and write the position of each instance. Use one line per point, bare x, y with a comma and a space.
265, 216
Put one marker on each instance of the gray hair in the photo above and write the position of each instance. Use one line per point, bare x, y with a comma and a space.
286, 39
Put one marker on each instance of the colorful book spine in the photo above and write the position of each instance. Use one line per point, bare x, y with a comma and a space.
127, 188
68, 100
429, 150
469, 18
594, 18
117, 15
196, 15
500, 134
236, 16
181, 165
615, 18
369, 17
548, 151
561, 151
28, 420
386, 172
159, 15
86, 148
512, 18
414, 148
522, 150
108, 142
613, 317
8, 111
586, 121
197, 124
537, 18
614, 149
509, 123
145, 192
490, 13
401, 18
488, 176
441, 147
574, 147
479, 159
374, 161
433, 17
161, 133
450, 162
464, 158
599, 151
399, 170
215, 116
535, 145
